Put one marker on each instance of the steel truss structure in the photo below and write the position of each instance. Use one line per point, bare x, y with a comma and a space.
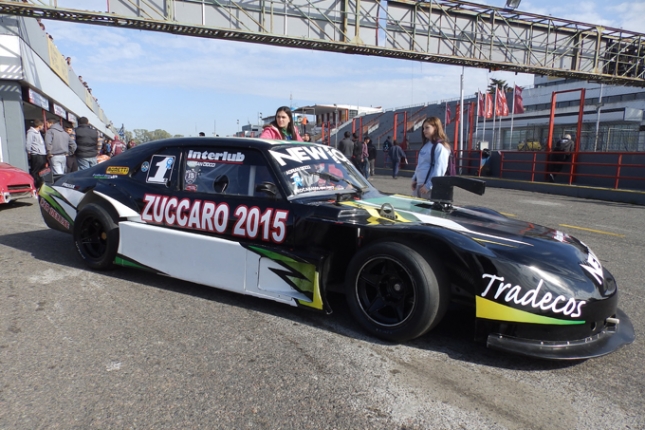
437, 31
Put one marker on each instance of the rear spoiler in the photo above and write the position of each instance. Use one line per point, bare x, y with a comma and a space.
442, 188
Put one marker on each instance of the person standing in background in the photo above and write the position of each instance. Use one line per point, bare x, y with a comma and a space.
59, 145
36, 151
396, 155
282, 127
371, 157
87, 141
433, 157
365, 168
386, 149
72, 165
117, 146
346, 146
561, 154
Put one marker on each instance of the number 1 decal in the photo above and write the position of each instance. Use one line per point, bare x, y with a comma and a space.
160, 169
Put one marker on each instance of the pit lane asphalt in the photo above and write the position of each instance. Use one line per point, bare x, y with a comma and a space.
127, 349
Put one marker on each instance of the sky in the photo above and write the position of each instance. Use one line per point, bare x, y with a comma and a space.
185, 85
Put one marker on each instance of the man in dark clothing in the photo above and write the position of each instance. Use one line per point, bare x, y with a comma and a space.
357, 155
346, 146
387, 144
386, 148
561, 154
396, 154
371, 157
87, 140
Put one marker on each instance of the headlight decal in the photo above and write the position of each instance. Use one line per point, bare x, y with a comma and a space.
488, 309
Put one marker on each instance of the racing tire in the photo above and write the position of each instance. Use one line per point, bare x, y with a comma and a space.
396, 293
96, 237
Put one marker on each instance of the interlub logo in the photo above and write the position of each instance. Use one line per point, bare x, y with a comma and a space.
224, 156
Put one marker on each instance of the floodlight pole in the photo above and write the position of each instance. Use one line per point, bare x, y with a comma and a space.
336, 124
462, 119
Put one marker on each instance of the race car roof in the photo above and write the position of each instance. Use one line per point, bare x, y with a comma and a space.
217, 141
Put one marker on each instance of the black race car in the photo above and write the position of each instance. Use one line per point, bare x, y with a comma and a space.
292, 221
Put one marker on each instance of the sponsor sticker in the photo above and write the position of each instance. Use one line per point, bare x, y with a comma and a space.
532, 299
191, 176
269, 225
145, 166
55, 215
219, 157
306, 154
117, 170
161, 168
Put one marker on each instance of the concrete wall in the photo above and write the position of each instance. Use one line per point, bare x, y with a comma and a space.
12, 133
27, 59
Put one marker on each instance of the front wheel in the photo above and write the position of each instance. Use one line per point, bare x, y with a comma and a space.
394, 292
96, 237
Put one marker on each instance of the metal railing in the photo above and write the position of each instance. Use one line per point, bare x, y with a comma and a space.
616, 170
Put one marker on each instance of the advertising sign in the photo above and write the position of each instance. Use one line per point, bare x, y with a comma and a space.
38, 100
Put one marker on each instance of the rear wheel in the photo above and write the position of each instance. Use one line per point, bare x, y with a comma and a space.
394, 292
96, 237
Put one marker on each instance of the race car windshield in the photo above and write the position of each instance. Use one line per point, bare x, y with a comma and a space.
317, 169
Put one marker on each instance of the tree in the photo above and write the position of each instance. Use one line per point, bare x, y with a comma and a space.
498, 83
143, 136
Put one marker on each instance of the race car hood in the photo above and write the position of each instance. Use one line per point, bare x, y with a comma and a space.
517, 244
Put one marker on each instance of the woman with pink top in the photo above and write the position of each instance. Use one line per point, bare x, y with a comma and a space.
281, 128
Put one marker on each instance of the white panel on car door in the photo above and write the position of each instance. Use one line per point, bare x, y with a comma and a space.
267, 283
193, 257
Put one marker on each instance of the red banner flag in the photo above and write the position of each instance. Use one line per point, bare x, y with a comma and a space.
481, 108
501, 109
458, 112
448, 114
489, 105
519, 102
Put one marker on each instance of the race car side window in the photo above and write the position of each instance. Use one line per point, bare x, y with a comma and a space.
228, 171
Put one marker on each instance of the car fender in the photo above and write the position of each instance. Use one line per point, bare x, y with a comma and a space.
120, 205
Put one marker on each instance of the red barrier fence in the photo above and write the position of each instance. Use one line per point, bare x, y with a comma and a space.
617, 170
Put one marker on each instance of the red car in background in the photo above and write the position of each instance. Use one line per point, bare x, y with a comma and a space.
15, 184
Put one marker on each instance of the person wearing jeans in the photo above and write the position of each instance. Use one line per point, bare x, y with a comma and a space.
396, 154
59, 144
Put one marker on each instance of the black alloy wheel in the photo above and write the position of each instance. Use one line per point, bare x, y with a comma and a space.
395, 292
96, 237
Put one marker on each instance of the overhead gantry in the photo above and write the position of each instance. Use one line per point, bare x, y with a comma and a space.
436, 31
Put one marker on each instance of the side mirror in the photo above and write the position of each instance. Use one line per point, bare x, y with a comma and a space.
268, 188
221, 184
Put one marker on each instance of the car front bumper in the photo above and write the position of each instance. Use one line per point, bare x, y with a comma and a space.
612, 337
